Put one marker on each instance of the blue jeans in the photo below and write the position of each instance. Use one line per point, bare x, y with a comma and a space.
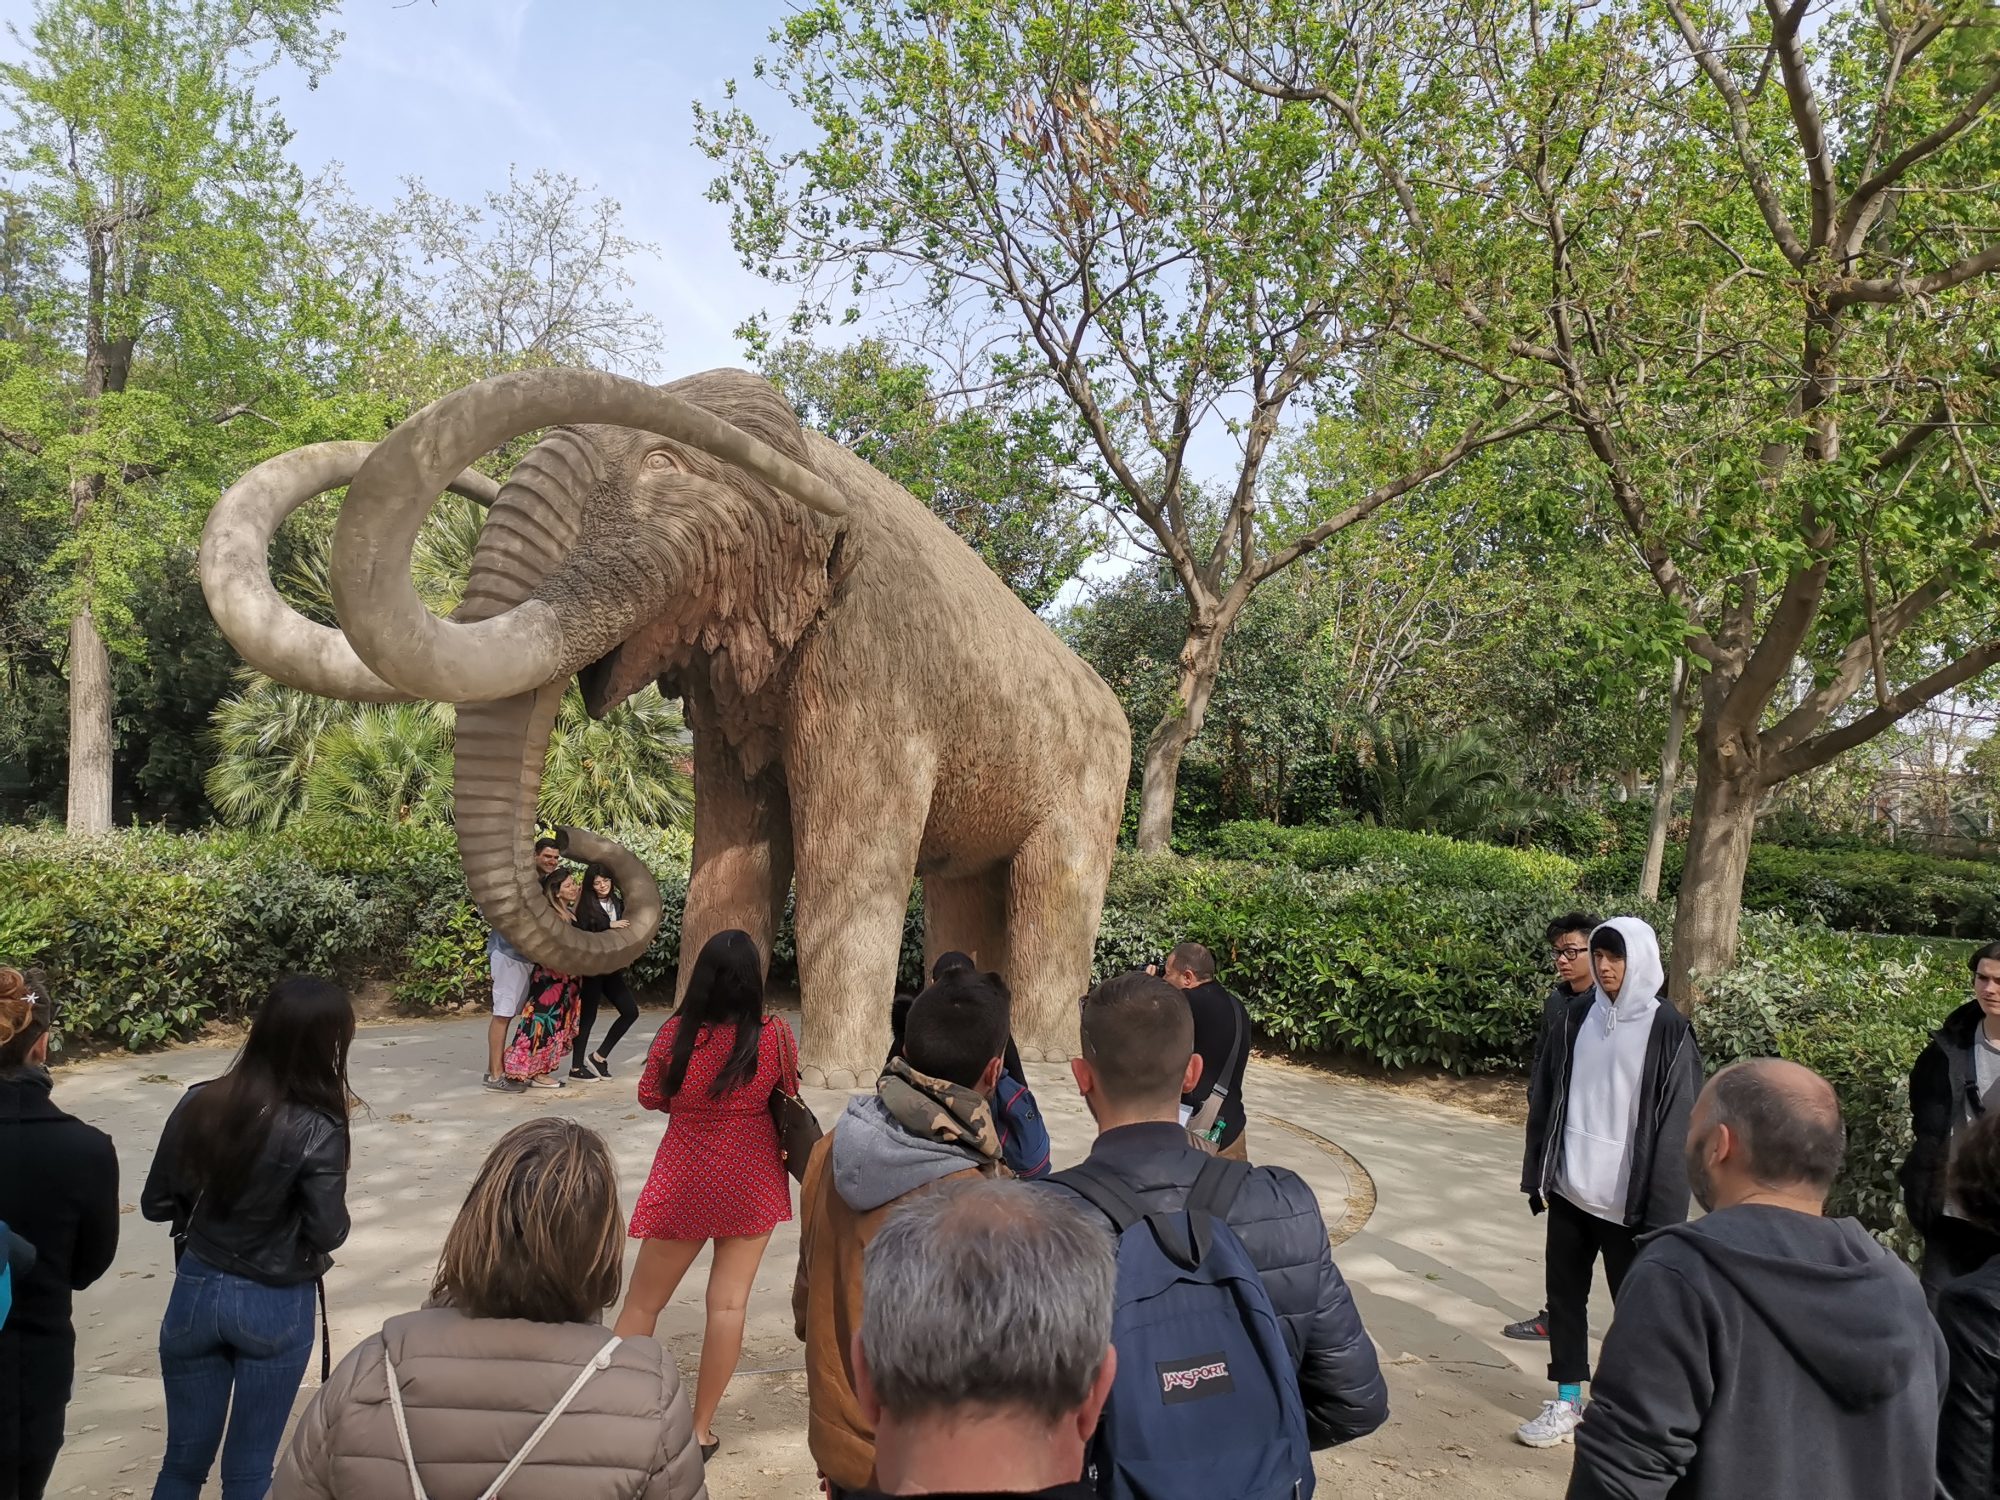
227, 1336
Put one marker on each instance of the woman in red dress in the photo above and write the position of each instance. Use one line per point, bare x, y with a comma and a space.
718, 1174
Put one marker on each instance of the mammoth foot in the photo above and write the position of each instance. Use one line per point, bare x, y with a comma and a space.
839, 1078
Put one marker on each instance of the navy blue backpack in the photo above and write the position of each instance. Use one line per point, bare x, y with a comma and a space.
1205, 1403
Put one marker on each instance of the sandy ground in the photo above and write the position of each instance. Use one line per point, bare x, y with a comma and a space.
1436, 1243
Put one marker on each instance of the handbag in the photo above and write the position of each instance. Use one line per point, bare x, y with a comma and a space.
798, 1126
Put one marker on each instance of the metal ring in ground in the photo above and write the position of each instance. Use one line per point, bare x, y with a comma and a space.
1360, 1186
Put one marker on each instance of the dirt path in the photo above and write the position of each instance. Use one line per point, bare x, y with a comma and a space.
1433, 1238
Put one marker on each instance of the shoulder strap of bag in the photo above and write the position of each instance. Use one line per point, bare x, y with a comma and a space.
1235, 1051
1216, 1186
601, 1360
1103, 1192
784, 1053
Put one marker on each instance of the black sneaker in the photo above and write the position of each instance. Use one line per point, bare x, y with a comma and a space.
1529, 1329
603, 1065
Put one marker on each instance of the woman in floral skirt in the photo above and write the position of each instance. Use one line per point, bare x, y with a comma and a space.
719, 1174
554, 1008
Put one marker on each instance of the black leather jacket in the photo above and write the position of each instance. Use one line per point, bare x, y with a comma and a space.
1944, 1093
1276, 1217
1968, 1311
292, 1212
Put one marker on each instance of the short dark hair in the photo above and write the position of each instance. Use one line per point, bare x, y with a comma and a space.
547, 843
1975, 1171
1138, 1035
1979, 955
1791, 1136
952, 963
1193, 958
1608, 939
1574, 921
958, 1026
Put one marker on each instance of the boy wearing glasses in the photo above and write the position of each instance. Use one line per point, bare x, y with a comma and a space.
1569, 946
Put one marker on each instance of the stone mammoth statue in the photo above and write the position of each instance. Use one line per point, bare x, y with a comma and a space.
867, 700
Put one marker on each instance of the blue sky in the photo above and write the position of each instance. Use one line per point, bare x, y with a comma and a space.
457, 91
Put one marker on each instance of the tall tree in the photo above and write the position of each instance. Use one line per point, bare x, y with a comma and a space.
152, 182
1007, 479
1065, 189
1751, 249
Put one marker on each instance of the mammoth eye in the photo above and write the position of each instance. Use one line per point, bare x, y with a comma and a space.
659, 461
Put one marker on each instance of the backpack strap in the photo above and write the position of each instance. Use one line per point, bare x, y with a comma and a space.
1183, 1236
1216, 1186
1104, 1192
601, 1360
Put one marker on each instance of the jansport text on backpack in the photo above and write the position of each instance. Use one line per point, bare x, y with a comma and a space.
1205, 1403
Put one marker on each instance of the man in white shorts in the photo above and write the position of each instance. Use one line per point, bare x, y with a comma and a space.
511, 973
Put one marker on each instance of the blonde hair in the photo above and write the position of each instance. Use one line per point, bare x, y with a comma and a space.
24, 1016
539, 1236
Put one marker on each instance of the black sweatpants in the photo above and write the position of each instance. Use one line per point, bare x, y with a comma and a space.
1576, 1239
596, 988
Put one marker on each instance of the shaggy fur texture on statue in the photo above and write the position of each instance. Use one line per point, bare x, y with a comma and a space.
868, 702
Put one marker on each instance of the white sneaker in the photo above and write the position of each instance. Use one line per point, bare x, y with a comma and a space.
1556, 1425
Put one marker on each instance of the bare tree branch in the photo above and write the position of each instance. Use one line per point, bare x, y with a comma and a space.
1822, 748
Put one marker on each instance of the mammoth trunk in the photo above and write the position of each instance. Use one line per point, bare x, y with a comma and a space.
496, 783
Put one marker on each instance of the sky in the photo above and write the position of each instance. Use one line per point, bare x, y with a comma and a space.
458, 91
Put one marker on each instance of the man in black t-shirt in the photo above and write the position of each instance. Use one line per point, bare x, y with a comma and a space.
1222, 1042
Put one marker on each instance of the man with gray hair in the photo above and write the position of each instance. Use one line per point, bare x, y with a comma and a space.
1764, 1349
984, 1353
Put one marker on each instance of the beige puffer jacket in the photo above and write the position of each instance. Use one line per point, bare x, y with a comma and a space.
474, 1390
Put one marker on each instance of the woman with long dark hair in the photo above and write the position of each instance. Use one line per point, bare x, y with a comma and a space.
59, 1200
719, 1174
251, 1172
601, 908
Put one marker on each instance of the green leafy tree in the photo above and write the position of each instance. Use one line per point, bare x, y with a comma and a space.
152, 187
1753, 259
1006, 478
1068, 190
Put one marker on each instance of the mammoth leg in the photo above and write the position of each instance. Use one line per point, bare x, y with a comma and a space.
967, 914
742, 863
856, 863
1055, 893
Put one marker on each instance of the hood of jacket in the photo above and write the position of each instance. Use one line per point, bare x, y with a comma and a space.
1645, 975
915, 1130
1838, 1302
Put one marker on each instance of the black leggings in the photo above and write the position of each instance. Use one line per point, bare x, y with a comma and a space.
611, 987
1576, 1239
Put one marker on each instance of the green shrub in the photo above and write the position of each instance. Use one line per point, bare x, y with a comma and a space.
1856, 1012
1392, 856
1860, 889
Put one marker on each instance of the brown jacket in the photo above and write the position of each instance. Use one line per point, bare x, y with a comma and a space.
474, 1390
826, 1292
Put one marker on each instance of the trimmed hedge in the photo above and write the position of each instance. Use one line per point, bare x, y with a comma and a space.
1390, 856
1858, 889
1403, 949
1857, 1012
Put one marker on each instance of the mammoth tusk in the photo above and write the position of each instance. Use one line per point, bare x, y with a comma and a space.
235, 573
523, 648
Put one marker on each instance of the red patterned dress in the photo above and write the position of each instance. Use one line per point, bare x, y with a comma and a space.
717, 1173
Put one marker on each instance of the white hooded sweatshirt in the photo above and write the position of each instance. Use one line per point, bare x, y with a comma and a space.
1603, 1111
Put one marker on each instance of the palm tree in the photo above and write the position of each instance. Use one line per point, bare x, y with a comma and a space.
1459, 786
285, 756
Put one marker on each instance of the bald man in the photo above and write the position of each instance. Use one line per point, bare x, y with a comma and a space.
1764, 1350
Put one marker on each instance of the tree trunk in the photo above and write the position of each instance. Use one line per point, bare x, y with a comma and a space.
1710, 904
1201, 660
89, 727
1663, 793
